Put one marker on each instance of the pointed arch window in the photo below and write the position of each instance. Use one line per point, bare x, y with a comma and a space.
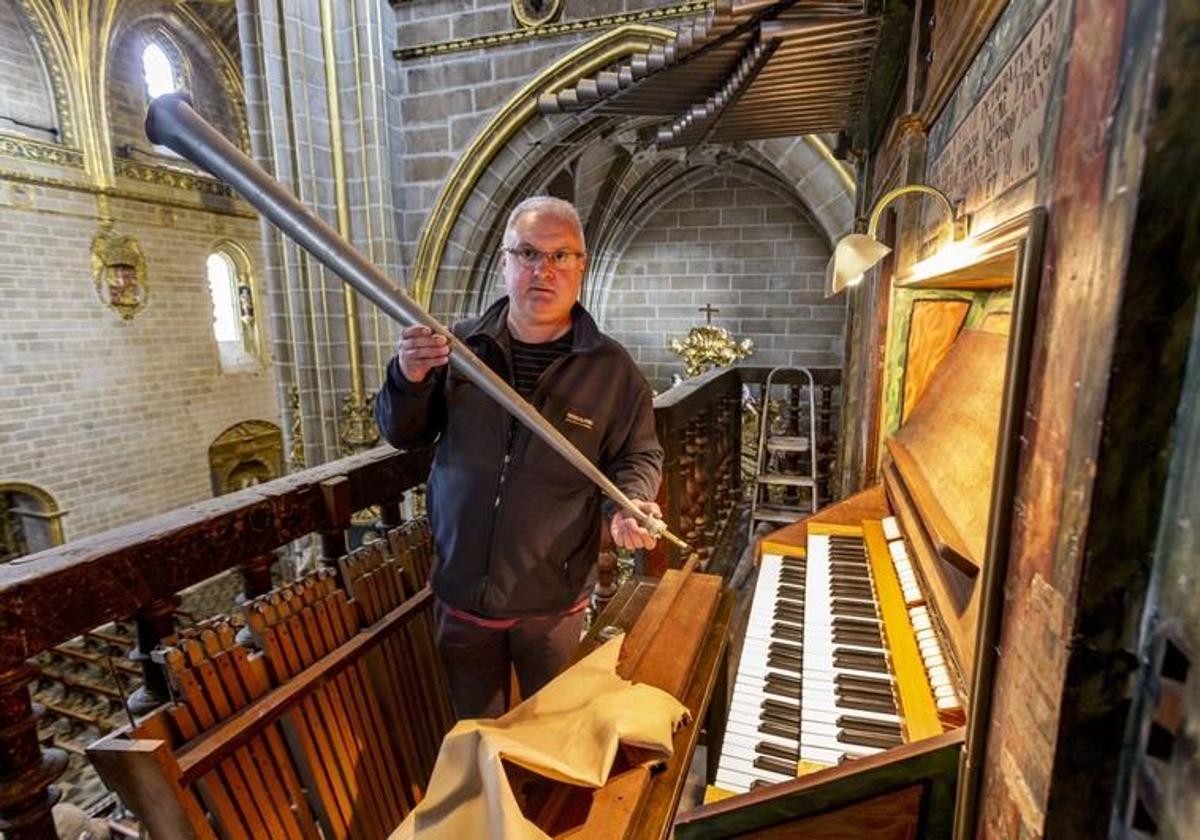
158, 71
234, 301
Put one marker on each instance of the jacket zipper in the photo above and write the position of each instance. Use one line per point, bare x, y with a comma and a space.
491, 533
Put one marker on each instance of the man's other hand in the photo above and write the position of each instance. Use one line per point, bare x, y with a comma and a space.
420, 350
627, 532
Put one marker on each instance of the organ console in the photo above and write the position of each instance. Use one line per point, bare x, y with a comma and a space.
854, 681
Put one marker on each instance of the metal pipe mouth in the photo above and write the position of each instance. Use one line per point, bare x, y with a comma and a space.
163, 115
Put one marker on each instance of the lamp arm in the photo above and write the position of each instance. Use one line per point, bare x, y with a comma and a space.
890, 196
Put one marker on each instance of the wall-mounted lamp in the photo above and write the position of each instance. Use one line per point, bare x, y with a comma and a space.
856, 253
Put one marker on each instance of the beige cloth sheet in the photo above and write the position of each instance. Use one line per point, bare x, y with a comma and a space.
569, 731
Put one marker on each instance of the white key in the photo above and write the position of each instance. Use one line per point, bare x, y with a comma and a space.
891, 528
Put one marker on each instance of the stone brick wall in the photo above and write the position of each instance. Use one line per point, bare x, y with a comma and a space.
114, 418
446, 99
24, 86
746, 250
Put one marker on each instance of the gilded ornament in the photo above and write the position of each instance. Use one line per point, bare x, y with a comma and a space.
707, 347
119, 274
296, 460
359, 431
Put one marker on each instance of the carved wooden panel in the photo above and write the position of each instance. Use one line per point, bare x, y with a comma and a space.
894, 815
934, 324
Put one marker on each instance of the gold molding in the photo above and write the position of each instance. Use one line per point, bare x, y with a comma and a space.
39, 152
584, 60
165, 176
13, 175
356, 400
79, 33
58, 84
513, 36
824, 151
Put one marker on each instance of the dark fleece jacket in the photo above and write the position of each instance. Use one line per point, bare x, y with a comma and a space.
515, 526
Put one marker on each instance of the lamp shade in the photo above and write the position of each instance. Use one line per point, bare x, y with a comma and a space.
852, 256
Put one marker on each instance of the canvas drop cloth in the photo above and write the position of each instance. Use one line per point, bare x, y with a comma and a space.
569, 731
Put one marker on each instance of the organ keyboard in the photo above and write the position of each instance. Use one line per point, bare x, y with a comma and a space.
841, 660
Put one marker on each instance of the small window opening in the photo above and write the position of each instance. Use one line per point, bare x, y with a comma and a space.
158, 71
234, 325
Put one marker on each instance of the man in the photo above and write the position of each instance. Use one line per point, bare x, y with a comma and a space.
516, 527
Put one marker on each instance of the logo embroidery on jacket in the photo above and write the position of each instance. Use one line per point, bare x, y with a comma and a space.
580, 420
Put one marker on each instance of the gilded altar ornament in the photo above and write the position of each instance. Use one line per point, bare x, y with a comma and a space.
707, 347
119, 274
536, 12
359, 431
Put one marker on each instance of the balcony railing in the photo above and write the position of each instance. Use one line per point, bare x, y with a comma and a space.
135, 573
700, 424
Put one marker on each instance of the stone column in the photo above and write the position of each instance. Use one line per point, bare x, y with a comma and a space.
320, 96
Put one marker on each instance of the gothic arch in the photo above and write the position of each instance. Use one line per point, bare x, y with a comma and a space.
46, 72
468, 194
206, 69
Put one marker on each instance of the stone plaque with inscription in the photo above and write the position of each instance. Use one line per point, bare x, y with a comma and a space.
999, 143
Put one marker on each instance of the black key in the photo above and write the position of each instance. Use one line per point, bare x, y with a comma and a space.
793, 666
791, 563
863, 705
871, 684
775, 766
785, 681
787, 631
862, 691
784, 647
861, 656
866, 740
852, 637
843, 607
788, 711
853, 663
884, 727
792, 593
780, 730
778, 751
780, 717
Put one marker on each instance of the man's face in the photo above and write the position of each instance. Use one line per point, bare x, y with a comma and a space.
541, 295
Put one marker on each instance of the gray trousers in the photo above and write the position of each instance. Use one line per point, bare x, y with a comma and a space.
479, 660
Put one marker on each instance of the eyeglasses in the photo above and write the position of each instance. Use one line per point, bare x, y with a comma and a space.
530, 257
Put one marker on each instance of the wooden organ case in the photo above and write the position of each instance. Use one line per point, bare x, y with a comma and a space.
860, 702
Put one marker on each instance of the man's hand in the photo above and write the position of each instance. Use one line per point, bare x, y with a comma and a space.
420, 351
627, 532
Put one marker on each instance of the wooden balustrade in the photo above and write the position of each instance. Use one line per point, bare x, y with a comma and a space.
137, 571
699, 424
